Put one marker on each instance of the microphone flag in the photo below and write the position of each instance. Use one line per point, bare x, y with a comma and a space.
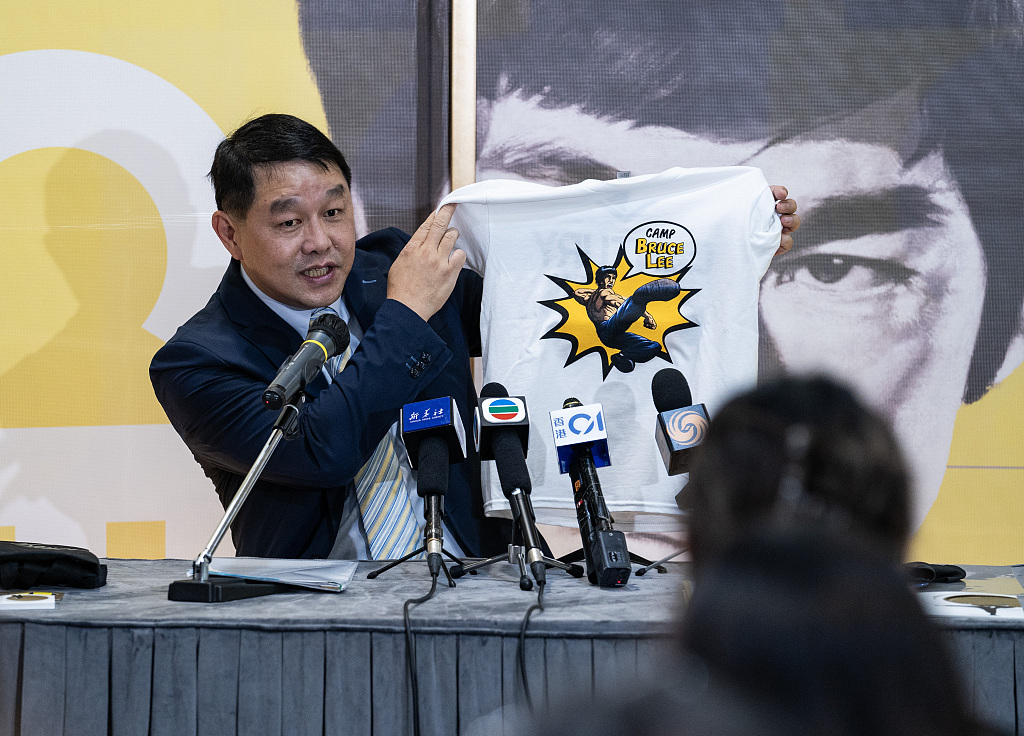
433, 418
578, 425
680, 430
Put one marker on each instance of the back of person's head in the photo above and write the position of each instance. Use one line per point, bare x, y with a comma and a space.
828, 630
262, 142
678, 700
797, 450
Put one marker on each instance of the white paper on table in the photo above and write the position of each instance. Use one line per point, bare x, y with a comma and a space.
935, 604
324, 575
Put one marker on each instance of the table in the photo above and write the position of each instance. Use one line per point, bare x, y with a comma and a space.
989, 650
124, 660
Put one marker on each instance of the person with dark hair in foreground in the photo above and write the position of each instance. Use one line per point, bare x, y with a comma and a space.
801, 448
683, 700
825, 633
790, 630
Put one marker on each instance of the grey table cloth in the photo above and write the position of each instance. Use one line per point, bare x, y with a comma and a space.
124, 660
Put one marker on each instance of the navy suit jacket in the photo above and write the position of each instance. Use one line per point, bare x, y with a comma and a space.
210, 378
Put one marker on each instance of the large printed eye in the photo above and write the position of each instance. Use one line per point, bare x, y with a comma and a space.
845, 272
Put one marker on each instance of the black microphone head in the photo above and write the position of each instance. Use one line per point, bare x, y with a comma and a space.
432, 473
670, 390
511, 463
571, 402
493, 390
332, 327
499, 414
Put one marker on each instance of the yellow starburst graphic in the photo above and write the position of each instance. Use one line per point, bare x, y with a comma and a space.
615, 322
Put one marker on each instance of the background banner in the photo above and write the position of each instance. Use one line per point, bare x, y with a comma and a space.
898, 126
109, 115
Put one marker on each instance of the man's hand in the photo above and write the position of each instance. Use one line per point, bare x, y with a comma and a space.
790, 220
425, 272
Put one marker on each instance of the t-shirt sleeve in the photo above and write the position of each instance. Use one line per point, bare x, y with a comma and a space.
765, 231
472, 222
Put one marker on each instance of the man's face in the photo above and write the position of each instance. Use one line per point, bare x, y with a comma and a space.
608, 281
883, 288
297, 241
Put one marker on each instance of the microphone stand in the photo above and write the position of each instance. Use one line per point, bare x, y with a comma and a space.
433, 490
429, 502
580, 555
658, 565
522, 514
593, 515
207, 588
681, 503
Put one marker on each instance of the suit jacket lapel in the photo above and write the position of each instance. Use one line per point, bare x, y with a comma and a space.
257, 323
364, 293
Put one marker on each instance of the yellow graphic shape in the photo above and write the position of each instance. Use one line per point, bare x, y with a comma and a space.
236, 58
6, 533
84, 256
976, 518
577, 327
137, 540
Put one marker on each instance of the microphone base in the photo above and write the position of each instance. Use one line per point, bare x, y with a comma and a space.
516, 555
579, 556
451, 583
217, 589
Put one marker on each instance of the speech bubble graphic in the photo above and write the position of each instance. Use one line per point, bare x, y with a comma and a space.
659, 248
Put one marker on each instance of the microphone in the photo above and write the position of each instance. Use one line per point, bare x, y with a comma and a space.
432, 484
681, 424
434, 438
328, 336
582, 444
502, 432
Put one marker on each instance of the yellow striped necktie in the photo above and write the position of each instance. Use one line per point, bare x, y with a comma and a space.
384, 503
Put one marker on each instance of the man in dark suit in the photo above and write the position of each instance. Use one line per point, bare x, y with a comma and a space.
285, 215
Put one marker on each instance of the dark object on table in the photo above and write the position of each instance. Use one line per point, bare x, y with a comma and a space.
922, 572
25, 565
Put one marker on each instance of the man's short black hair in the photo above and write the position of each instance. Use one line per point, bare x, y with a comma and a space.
603, 272
266, 140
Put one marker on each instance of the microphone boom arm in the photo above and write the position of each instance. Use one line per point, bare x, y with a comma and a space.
201, 588
284, 425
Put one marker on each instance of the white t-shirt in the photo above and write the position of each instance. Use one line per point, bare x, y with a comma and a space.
687, 249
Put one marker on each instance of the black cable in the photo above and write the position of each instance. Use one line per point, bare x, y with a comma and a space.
538, 606
410, 653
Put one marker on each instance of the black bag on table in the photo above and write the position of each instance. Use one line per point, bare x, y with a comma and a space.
924, 572
25, 565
